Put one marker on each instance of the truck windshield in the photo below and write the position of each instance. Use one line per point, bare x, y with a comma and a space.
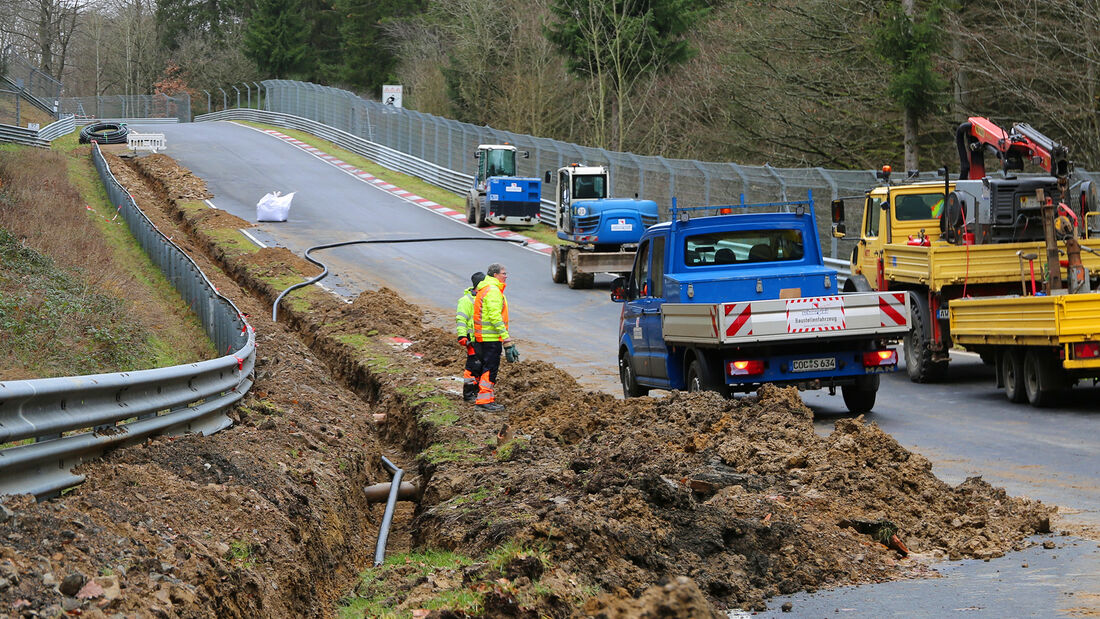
589, 187
501, 162
743, 247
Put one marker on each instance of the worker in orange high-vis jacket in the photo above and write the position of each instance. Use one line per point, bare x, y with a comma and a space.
464, 327
491, 333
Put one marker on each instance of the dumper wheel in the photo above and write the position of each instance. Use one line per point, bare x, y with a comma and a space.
572, 277
860, 396
918, 352
479, 212
470, 216
1043, 378
1012, 375
631, 388
557, 269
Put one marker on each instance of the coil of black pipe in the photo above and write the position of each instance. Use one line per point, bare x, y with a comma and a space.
104, 133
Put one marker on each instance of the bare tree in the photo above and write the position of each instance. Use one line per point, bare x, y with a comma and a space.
42, 30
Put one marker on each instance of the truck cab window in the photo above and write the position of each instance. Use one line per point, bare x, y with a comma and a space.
640, 274
658, 267
589, 187
918, 206
501, 163
871, 216
743, 247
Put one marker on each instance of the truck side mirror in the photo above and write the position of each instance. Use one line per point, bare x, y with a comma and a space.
838, 211
839, 231
548, 177
526, 154
477, 154
618, 289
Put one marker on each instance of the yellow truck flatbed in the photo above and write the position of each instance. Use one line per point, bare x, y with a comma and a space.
943, 264
1041, 345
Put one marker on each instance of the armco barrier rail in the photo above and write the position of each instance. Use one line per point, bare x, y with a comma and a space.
41, 137
73, 419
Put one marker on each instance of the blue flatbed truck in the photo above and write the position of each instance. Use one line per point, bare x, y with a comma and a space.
729, 302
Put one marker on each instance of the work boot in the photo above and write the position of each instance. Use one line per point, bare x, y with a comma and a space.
491, 407
469, 397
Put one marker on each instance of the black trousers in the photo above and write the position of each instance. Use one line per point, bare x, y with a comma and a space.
489, 352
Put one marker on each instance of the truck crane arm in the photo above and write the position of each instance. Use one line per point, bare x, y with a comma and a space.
978, 135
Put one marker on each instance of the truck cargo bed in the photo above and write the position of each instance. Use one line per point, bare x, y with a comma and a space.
884, 314
1030, 320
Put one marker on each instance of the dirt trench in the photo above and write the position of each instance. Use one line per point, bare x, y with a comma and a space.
676, 507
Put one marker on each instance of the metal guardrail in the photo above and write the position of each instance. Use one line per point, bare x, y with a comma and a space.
58, 128
37, 137
81, 122
22, 135
73, 419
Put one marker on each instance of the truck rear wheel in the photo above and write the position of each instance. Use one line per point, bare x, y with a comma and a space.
557, 269
572, 277
697, 380
1012, 375
470, 209
631, 388
918, 353
860, 397
1043, 380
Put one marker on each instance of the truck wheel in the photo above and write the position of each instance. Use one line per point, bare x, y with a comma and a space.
572, 277
860, 397
697, 380
480, 211
469, 209
1012, 375
918, 353
557, 269
1043, 381
631, 388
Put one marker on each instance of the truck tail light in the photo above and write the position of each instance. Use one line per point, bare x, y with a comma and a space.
748, 367
1086, 350
877, 358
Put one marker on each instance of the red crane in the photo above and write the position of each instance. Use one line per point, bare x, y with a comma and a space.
979, 135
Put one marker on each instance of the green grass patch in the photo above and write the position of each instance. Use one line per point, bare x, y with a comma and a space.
241, 554
511, 448
355, 340
232, 242
458, 451
499, 557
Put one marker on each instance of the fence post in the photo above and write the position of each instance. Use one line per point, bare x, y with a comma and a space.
782, 183
225, 99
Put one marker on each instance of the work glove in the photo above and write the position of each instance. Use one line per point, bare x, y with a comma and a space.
511, 354
463, 342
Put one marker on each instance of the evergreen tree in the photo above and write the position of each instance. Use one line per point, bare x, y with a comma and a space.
910, 42
276, 38
366, 58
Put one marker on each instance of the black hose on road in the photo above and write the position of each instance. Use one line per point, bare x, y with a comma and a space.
324, 272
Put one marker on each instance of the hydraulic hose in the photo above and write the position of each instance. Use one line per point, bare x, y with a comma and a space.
324, 272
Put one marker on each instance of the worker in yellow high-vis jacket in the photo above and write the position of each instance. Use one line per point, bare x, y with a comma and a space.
464, 327
491, 333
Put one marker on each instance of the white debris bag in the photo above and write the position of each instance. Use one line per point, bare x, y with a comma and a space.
274, 207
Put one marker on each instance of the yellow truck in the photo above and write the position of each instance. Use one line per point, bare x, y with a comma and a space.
968, 252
